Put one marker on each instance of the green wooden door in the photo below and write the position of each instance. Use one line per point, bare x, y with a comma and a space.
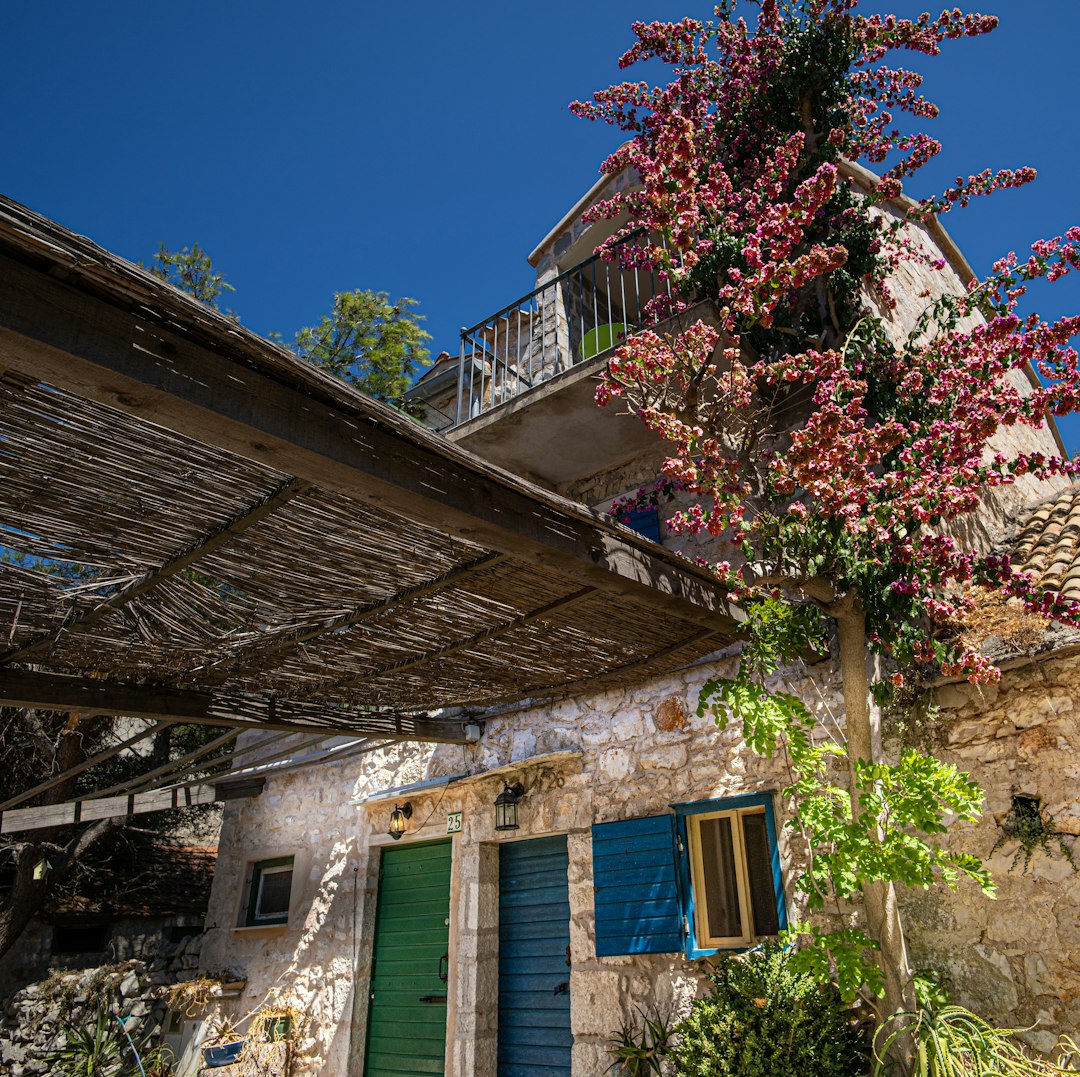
406, 1034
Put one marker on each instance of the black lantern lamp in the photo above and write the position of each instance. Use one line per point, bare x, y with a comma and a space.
506, 806
399, 820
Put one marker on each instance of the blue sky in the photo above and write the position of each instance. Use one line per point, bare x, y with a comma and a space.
424, 151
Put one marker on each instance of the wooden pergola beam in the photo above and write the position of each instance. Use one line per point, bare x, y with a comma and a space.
93, 335
139, 783
205, 544
229, 786
474, 640
86, 764
611, 678
50, 691
78, 811
227, 762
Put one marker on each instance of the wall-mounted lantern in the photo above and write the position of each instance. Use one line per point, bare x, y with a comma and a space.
506, 806
399, 820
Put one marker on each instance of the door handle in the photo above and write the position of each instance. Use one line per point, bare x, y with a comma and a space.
561, 989
444, 968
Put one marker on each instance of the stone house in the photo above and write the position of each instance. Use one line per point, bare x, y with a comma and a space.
641, 839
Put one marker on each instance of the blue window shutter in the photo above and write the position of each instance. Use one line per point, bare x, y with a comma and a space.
645, 521
636, 887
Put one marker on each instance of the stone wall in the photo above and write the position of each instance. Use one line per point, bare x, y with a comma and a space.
624, 754
1015, 959
310, 815
144, 938
616, 755
552, 256
33, 1020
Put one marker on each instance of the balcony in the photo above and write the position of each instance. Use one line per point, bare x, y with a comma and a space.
565, 322
523, 395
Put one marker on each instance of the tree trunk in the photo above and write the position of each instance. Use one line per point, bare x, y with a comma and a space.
29, 894
25, 898
879, 898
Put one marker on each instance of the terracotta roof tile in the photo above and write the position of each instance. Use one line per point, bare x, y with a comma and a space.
158, 880
1047, 542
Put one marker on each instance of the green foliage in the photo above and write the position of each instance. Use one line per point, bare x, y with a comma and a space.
949, 1041
101, 1049
770, 720
778, 632
844, 957
369, 342
931, 989
764, 1018
366, 340
884, 827
1068, 1055
1034, 829
641, 1051
191, 271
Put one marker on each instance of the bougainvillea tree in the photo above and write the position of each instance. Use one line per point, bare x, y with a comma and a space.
828, 443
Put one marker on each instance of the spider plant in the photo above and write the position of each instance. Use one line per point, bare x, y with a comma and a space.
950, 1041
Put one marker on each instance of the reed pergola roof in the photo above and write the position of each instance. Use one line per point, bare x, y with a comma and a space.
214, 531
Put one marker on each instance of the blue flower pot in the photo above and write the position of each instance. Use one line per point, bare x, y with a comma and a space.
224, 1054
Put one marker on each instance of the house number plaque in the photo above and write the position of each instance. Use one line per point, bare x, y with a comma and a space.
453, 822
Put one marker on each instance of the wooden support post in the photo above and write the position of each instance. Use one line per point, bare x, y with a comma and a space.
50, 691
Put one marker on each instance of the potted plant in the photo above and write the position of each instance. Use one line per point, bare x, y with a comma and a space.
191, 997
275, 1021
223, 1045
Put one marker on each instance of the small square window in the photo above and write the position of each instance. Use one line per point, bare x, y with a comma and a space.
732, 877
271, 891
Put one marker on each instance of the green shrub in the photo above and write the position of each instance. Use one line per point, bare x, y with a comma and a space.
764, 1020
103, 1049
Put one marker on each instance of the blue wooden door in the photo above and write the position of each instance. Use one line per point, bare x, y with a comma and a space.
534, 959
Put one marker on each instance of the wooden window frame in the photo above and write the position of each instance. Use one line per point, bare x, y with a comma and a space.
742, 878
258, 870
698, 943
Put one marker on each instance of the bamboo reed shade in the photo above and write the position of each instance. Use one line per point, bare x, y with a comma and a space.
151, 554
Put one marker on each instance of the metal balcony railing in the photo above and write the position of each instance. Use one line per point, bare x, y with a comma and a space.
565, 321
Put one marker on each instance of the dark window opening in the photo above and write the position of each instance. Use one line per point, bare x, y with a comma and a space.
645, 521
176, 933
80, 938
1026, 806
